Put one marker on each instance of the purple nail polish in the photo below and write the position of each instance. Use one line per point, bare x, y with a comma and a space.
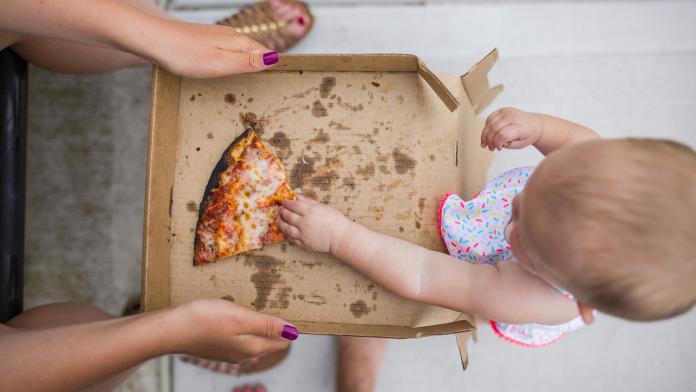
270, 58
290, 332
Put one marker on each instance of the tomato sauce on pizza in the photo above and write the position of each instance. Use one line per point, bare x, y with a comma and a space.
239, 209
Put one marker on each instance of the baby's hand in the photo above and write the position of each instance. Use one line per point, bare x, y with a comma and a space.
510, 128
312, 225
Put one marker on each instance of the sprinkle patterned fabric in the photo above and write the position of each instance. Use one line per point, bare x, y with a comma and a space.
474, 231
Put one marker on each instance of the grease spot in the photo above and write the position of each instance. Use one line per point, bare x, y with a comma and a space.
327, 84
210, 135
349, 183
318, 110
402, 162
366, 171
316, 299
325, 180
300, 172
321, 137
338, 125
432, 157
230, 98
265, 279
193, 97
250, 121
281, 142
356, 149
400, 99
421, 204
359, 308
192, 206
375, 84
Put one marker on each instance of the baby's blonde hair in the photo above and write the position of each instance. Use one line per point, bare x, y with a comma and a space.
625, 225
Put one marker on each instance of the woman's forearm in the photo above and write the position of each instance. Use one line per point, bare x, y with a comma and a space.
74, 357
105, 23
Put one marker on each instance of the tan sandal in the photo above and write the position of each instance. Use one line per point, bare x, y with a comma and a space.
249, 366
260, 22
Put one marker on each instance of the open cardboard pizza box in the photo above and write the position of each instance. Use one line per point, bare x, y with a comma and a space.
379, 137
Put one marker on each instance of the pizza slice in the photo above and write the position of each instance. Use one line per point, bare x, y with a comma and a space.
239, 209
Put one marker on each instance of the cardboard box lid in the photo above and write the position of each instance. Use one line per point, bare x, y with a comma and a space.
368, 134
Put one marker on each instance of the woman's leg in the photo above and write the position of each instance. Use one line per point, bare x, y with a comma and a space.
58, 315
67, 57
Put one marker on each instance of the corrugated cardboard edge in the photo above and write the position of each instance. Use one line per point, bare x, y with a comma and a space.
164, 115
476, 83
369, 62
461, 325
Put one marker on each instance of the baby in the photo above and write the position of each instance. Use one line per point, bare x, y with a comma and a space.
604, 225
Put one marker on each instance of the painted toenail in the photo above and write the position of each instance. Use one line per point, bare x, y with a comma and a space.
301, 21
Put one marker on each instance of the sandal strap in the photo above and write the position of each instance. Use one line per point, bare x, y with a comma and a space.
259, 22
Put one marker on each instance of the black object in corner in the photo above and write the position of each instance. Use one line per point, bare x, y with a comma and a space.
13, 146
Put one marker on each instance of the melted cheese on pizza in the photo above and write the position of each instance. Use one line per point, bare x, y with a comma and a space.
240, 214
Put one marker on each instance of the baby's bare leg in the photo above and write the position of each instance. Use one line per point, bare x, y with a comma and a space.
359, 360
58, 315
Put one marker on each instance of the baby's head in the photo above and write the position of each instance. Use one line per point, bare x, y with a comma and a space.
613, 222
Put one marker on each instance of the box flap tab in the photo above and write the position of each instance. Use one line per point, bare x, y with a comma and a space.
436, 84
476, 83
463, 339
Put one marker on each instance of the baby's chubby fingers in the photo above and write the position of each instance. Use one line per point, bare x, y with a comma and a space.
487, 127
288, 229
506, 136
299, 206
290, 217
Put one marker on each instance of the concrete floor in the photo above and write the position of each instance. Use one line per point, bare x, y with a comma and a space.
623, 68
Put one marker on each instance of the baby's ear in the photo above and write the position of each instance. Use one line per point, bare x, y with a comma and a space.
586, 312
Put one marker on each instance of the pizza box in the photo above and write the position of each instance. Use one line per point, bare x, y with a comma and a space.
380, 137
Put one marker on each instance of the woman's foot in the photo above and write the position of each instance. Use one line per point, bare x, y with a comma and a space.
249, 366
276, 24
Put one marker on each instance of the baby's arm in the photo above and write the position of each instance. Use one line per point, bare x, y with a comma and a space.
514, 128
506, 293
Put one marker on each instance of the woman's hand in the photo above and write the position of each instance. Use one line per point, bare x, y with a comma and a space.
312, 225
221, 330
511, 128
201, 51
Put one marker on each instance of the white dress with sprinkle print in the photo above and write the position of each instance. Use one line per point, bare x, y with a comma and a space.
473, 231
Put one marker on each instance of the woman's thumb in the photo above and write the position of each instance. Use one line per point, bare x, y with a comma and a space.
267, 326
